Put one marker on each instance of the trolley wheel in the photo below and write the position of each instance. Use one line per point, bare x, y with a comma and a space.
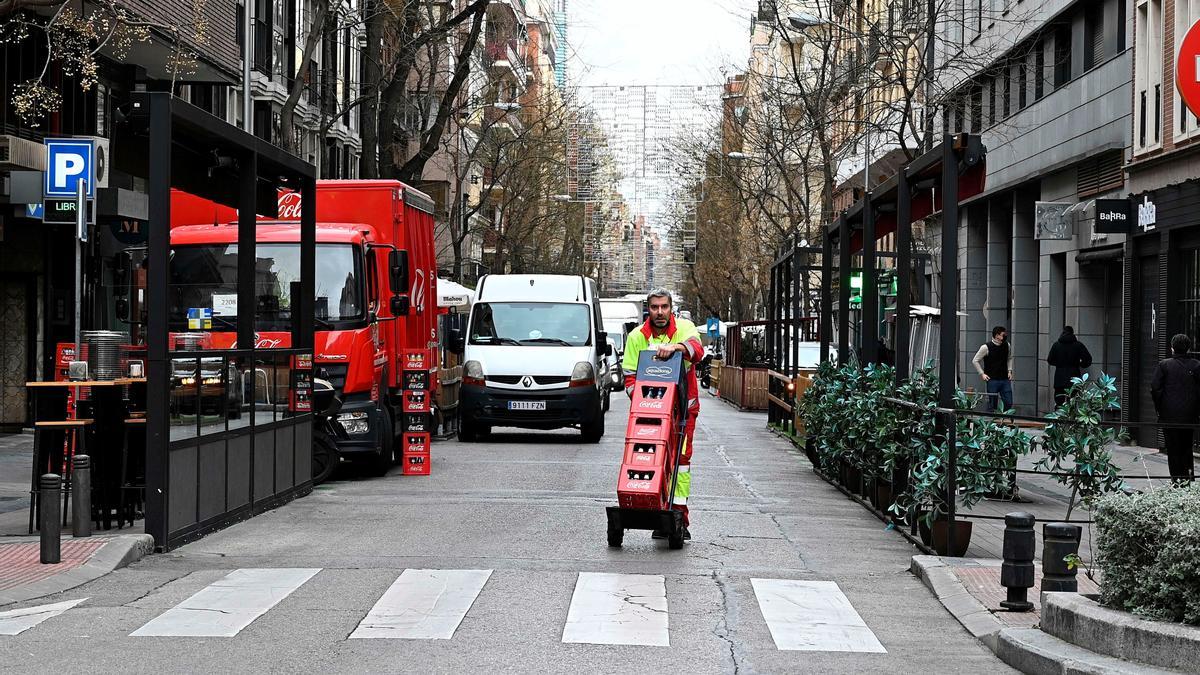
675, 539
615, 536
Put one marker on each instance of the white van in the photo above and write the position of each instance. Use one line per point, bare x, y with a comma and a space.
533, 356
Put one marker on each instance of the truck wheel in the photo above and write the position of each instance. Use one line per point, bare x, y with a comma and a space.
324, 458
472, 432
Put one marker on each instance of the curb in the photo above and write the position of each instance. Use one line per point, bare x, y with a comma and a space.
117, 552
971, 613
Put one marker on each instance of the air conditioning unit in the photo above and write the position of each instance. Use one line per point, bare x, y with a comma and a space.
21, 154
103, 163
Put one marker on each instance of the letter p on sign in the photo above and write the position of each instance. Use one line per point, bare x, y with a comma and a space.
1187, 69
67, 161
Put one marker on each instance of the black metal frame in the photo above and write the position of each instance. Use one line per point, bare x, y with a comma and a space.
180, 143
926, 178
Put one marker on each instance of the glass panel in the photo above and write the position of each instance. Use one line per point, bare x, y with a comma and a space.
241, 395
185, 400
216, 382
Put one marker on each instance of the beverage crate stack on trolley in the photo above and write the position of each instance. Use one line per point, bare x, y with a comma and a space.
653, 444
418, 416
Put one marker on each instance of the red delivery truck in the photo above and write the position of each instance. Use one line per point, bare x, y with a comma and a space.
376, 301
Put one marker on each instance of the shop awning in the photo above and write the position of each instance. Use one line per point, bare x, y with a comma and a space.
453, 294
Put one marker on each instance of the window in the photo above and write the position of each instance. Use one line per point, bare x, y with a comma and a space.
991, 105
1022, 82
977, 19
1189, 295
976, 109
1147, 76
1062, 56
262, 36
1006, 95
1093, 35
1039, 70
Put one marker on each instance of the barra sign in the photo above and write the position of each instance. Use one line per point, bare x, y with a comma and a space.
1187, 69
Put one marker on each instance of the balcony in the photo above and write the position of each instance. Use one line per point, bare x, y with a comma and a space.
504, 58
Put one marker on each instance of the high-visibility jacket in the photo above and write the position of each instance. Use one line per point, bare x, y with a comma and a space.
679, 331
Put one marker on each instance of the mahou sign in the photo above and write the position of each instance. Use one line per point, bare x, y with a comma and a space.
1187, 69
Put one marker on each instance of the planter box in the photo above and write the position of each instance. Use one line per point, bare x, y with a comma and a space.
1085, 623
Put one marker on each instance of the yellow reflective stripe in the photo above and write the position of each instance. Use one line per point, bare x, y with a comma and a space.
683, 485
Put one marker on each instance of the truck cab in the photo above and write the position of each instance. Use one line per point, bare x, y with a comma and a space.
374, 294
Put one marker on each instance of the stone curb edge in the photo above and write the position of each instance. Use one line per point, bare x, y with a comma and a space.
971, 613
117, 552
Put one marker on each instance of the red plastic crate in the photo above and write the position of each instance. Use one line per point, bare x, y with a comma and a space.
416, 464
640, 488
645, 455
417, 444
648, 428
416, 401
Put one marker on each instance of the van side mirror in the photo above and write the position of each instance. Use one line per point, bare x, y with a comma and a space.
398, 271
630, 326
399, 305
602, 347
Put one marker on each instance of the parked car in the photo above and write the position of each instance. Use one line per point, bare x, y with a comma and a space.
533, 356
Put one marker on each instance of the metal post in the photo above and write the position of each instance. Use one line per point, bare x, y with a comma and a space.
870, 287
49, 488
825, 332
1016, 572
903, 273
843, 289
247, 55
797, 317
1059, 540
158, 362
80, 235
947, 366
303, 326
81, 493
247, 257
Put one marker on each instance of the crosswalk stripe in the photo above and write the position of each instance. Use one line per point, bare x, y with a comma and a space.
225, 607
16, 621
423, 605
812, 616
618, 609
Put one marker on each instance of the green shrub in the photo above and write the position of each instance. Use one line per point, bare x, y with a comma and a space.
1148, 547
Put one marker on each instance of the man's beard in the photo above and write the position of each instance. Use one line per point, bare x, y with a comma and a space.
660, 323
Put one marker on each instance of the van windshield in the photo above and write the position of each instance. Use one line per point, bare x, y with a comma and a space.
530, 323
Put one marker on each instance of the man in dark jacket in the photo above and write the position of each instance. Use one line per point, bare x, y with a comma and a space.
1070, 358
1176, 392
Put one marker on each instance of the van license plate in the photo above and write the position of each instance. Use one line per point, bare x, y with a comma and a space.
526, 405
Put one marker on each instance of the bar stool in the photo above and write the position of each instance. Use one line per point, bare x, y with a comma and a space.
72, 430
137, 482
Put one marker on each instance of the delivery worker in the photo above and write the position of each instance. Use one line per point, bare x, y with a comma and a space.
667, 334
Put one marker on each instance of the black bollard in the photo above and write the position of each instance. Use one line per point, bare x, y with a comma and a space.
50, 489
1059, 540
81, 495
1016, 573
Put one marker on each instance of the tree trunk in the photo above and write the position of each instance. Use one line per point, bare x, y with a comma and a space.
287, 116
369, 117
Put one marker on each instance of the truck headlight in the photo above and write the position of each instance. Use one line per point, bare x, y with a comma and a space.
355, 423
473, 373
583, 375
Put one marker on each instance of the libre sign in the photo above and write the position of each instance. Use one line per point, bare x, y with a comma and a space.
1187, 69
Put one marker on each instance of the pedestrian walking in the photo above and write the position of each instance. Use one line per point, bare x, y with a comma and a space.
994, 363
1175, 389
1070, 358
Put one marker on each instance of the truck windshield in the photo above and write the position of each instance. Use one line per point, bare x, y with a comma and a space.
531, 323
203, 283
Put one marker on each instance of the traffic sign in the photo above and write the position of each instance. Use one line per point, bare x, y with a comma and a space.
63, 211
1187, 69
714, 326
33, 210
68, 160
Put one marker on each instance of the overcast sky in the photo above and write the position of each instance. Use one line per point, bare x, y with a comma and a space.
656, 41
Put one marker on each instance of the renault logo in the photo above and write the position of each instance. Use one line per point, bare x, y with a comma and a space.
528, 382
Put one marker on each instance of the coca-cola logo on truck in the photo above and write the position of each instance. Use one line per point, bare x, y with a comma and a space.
289, 205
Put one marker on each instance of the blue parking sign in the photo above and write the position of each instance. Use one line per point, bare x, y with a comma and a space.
714, 327
68, 160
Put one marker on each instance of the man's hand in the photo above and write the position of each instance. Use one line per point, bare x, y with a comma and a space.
986, 378
1010, 375
664, 351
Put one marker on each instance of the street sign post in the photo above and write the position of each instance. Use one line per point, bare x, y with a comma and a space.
1187, 69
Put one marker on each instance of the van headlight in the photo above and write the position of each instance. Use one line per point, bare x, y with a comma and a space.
583, 375
355, 423
473, 373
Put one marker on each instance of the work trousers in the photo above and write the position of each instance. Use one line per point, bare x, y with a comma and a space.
1179, 453
683, 480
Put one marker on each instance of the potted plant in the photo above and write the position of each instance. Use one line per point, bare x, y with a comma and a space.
1077, 447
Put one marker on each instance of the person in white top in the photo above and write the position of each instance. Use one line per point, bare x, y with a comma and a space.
994, 363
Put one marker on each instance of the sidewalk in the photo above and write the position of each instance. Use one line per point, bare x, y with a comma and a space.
24, 577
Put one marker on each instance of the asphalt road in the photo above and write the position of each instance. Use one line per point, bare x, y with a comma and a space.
530, 508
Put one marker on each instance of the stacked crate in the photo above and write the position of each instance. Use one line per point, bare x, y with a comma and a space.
418, 418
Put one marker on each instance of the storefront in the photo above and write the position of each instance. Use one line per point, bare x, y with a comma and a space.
1163, 270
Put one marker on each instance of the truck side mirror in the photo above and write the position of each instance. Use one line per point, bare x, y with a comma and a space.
399, 305
398, 271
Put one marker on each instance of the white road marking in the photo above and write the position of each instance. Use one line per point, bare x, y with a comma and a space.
423, 605
225, 607
812, 616
17, 621
618, 609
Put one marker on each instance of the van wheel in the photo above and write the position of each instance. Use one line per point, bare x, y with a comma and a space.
594, 431
606, 402
471, 432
